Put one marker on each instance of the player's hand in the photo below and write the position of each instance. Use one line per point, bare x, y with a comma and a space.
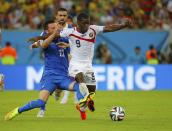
37, 38
56, 30
32, 46
128, 22
31, 40
36, 44
62, 45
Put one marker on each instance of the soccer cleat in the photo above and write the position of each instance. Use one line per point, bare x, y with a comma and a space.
92, 94
83, 102
41, 113
11, 114
82, 113
90, 104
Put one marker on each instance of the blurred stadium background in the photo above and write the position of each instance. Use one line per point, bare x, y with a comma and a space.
137, 58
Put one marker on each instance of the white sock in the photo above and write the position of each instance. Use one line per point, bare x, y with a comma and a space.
65, 97
83, 89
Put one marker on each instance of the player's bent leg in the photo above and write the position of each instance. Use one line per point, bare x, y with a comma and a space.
80, 89
83, 102
82, 86
75, 87
44, 95
85, 93
81, 92
80, 78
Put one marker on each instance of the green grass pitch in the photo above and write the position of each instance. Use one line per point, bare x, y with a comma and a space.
145, 111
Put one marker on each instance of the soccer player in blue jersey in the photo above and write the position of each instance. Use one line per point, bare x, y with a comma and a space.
55, 74
61, 17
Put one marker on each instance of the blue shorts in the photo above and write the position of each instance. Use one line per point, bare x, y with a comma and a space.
51, 83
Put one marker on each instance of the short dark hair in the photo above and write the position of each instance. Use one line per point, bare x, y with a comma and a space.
61, 9
137, 48
45, 26
82, 16
8, 43
151, 47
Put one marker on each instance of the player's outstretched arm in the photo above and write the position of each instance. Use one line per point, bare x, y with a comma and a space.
39, 41
37, 38
115, 27
36, 44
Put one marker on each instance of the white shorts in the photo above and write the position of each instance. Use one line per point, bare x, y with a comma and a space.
86, 69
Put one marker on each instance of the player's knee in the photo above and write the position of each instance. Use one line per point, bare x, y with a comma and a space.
79, 77
91, 88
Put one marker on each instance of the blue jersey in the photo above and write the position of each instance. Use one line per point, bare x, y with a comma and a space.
56, 64
56, 59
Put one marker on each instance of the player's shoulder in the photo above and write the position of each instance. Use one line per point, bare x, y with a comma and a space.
97, 28
93, 26
68, 29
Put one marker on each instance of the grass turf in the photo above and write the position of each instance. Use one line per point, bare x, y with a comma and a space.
145, 111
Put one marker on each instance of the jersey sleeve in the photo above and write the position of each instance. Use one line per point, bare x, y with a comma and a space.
98, 29
66, 32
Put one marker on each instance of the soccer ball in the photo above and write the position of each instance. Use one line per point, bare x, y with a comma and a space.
117, 113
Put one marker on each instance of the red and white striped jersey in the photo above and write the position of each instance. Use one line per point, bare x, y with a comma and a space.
82, 45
